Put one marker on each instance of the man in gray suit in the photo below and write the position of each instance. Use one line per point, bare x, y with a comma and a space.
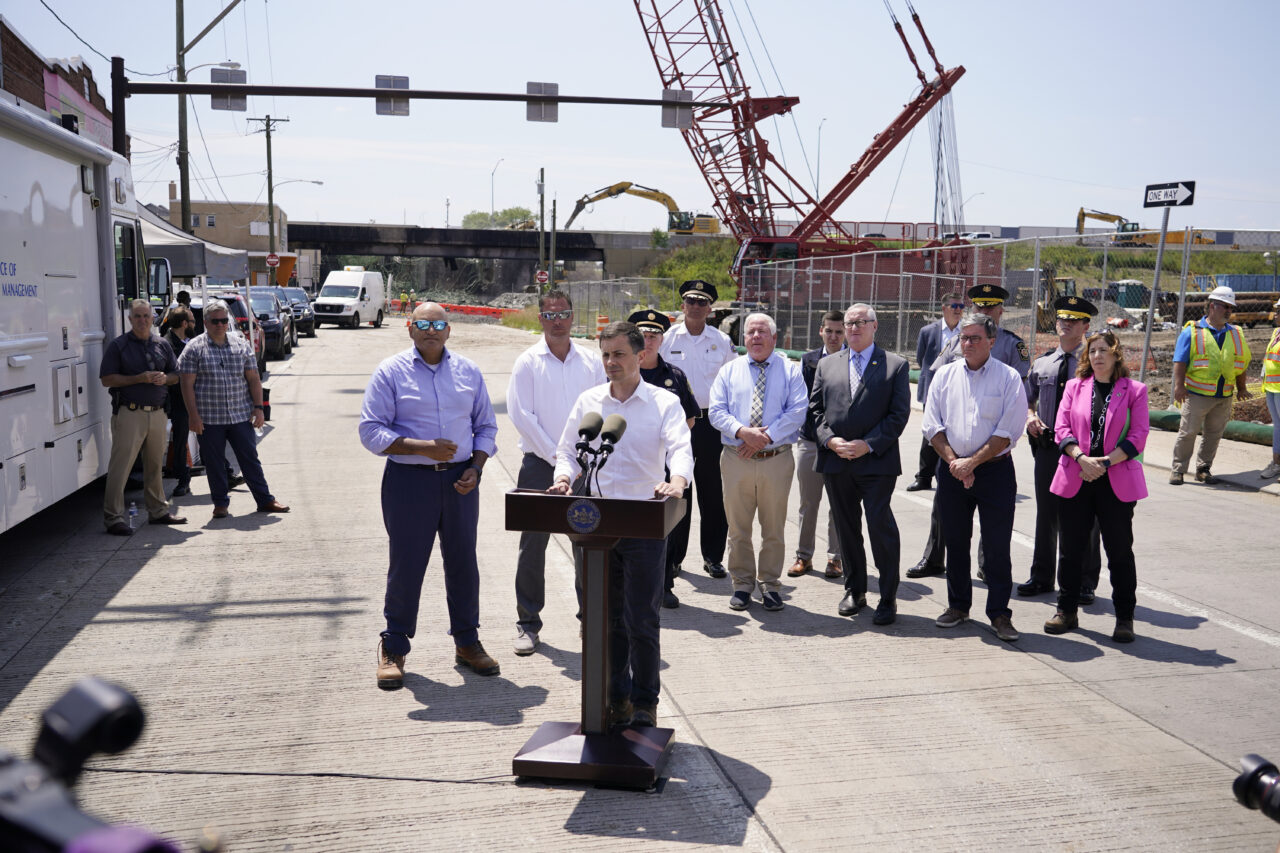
932, 340
860, 404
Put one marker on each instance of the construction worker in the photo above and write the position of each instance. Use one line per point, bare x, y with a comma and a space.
1209, 364
1271, 388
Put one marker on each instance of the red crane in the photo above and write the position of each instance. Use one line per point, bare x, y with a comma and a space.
752, 190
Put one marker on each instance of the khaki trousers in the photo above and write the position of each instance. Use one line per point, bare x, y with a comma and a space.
811, 489
132, 431
751, 487
1199, 412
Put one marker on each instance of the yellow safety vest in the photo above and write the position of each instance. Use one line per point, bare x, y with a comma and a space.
1271, 365
1208, 361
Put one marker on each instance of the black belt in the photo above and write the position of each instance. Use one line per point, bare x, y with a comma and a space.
702, 413
446, 466
138, 407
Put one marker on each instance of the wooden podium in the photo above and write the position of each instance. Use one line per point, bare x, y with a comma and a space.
589, 750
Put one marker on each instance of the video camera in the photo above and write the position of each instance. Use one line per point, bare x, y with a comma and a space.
1258, 786
38, 812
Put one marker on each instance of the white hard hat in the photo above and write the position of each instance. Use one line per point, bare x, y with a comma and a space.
1222, 293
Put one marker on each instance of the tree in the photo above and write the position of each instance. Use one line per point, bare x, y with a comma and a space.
501, 219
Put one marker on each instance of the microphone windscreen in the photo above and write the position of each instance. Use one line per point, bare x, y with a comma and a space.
614, 427
589, 426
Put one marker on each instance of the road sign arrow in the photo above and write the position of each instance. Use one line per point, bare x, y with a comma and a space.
1184, 194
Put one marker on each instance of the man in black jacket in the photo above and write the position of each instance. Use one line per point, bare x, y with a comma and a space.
807, 477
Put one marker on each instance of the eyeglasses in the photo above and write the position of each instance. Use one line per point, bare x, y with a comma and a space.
856, 324
972, 339
556, 315
438, 325
218, 321
956, 306
694, 300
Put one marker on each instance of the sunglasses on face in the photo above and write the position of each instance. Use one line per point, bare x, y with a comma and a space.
956, 306
218, 321
695, 301
438, 325
556, 315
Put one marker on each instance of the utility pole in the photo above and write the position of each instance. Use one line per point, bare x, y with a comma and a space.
184, 174
542, 220
271, 199
551, 266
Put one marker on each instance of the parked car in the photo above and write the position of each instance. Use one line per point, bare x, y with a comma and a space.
304, 318
276, 319
245, 322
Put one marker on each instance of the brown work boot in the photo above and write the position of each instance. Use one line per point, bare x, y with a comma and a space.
390, 670
1061, 623
620, 712
834, 569
645, 715
477, 658
799, 567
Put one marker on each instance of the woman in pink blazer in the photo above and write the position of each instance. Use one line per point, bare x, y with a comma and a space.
1101, 429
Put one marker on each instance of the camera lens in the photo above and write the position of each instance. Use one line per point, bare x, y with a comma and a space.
1258, 785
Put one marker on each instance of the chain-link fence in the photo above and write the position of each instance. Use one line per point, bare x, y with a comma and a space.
596, 303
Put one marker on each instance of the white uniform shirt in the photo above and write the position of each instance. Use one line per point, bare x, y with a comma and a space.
656, 437
543, 390
700, 357
971, 406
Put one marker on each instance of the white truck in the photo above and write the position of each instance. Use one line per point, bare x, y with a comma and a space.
351, 296
71, 258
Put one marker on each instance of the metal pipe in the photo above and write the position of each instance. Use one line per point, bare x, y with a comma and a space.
1155, 290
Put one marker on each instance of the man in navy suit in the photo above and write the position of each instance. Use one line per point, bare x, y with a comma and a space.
860, 404
932, 339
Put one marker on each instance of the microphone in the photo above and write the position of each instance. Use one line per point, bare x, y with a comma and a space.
588, 428
611, 433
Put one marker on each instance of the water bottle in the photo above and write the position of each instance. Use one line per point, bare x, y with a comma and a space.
133, 515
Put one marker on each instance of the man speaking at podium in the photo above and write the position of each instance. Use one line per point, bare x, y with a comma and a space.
656, 437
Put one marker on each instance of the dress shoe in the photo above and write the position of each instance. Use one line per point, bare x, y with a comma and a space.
716, 570
833, 569
390, 670
1061, 623
645, 715
1175, 479
120, 529
669, 600
851, 604
169, 519
919, 485
740, 600
1203, 476
982, 575
771, 600
1124, 631
950, 618
221, 512
1004, 628
923, 569
1034, 587
477, 658
526, 642
886, 612
1086, 596
181, 490
234, 480
273, 506
799, 567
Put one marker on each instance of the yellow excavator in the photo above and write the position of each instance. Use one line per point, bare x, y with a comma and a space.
678, 221
1131, 233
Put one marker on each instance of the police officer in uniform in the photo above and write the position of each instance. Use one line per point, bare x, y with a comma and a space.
700, 350
653, 324
1009, 348
1045, 385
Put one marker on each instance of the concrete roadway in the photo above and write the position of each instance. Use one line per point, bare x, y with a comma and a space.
251, 642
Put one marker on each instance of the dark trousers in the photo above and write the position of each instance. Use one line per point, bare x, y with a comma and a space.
935, 547
213, 449
678, 542
928, 462
706, 443
1050, 544
992, 494
418, 504
849, 496
635, 594
1096, 504
181, 428
535, 473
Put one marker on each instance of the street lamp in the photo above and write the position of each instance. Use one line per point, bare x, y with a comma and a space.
963, 221
491, 174
817, 178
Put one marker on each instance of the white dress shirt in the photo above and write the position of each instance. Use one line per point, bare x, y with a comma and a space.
699, 356
971, 406
543, 390
786, 400
656, 437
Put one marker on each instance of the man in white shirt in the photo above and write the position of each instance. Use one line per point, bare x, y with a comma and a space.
973, 416
656, 438
758, 404
545, 381
700, 350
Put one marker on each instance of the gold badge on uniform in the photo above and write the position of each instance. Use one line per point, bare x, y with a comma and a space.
1022, 350
668, 383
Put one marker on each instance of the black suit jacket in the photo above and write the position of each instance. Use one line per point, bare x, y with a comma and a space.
877, 414
809, 369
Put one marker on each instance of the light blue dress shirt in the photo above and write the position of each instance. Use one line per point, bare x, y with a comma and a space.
785, 400
408, 398
971, 406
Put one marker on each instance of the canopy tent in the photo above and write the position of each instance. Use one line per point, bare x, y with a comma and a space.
191, 256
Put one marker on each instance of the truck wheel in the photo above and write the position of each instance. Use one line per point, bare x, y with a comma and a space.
377, 324
355, 320
293, 336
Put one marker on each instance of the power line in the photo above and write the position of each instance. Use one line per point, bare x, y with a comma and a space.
94, 49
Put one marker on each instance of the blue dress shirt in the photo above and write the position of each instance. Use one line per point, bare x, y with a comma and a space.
786, 401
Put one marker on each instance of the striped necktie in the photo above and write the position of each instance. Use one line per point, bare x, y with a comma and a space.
757, 394
855, 378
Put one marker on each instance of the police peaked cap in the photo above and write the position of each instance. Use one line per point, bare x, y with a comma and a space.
1074, 308
698, 287
650, 320
988, 294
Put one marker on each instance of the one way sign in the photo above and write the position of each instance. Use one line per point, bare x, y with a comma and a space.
1178, 194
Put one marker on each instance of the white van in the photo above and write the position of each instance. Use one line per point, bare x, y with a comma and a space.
351, 296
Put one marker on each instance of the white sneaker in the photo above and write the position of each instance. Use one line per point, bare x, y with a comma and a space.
1272, 470
526, 642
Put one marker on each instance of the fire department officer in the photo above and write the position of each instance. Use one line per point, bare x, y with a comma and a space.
700, 350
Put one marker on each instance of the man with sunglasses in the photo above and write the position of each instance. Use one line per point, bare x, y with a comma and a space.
546, 380
1210, 361
223, 393
137, 367
933, 339
700, 350
427, 410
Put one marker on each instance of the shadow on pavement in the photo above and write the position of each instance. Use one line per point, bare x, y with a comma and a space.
504, 702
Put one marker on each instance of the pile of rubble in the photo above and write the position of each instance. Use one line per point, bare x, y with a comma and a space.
513, 300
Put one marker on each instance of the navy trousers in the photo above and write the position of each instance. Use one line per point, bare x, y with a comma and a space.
713, 525
213, 450
635, 594
993, 493
417, 504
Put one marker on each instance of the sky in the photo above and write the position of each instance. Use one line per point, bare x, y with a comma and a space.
1062, 105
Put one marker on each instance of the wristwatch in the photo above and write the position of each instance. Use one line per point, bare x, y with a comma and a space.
259, 407
1106, 462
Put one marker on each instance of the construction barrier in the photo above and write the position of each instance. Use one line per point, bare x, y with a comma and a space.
602, 320
478, 310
